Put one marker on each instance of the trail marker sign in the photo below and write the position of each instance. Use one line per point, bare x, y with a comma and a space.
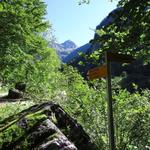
124, 58
105, 71
98, 72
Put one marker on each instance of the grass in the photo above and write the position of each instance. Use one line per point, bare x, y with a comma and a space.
8, 109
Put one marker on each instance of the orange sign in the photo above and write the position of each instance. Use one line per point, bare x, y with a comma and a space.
119, 57
97, 72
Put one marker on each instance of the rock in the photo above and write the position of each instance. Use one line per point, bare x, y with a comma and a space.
14, 94
20, 86
43, 127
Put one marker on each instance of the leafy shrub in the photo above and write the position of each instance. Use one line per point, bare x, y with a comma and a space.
88, 105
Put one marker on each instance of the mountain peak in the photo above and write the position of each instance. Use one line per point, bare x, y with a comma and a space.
64, 49
69, 44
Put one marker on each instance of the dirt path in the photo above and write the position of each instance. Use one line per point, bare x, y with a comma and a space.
3, 94
2, 101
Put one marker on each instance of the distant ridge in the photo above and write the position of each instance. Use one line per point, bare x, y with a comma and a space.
76, 53
64, 49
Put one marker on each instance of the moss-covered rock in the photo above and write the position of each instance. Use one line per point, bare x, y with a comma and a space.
45, 126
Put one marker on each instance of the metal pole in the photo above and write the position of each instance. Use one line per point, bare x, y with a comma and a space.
110, 107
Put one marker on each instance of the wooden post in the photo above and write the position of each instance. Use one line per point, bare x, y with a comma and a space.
105, 71
109, 106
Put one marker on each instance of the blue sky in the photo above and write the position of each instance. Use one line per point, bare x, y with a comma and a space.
77, 22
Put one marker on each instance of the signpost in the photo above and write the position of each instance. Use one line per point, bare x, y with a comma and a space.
105, 71
109, 105
98, 72
124, 58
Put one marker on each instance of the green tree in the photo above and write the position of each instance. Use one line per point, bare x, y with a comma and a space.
128, 33
25, 55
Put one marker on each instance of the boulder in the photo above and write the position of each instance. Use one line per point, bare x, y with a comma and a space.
14, 94
20, 86
43, 127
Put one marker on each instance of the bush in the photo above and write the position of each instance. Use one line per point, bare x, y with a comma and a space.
88, 105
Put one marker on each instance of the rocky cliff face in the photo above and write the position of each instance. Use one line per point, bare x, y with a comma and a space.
43, 127
64, 49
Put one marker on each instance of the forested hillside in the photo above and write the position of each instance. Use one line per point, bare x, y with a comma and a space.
25, 57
